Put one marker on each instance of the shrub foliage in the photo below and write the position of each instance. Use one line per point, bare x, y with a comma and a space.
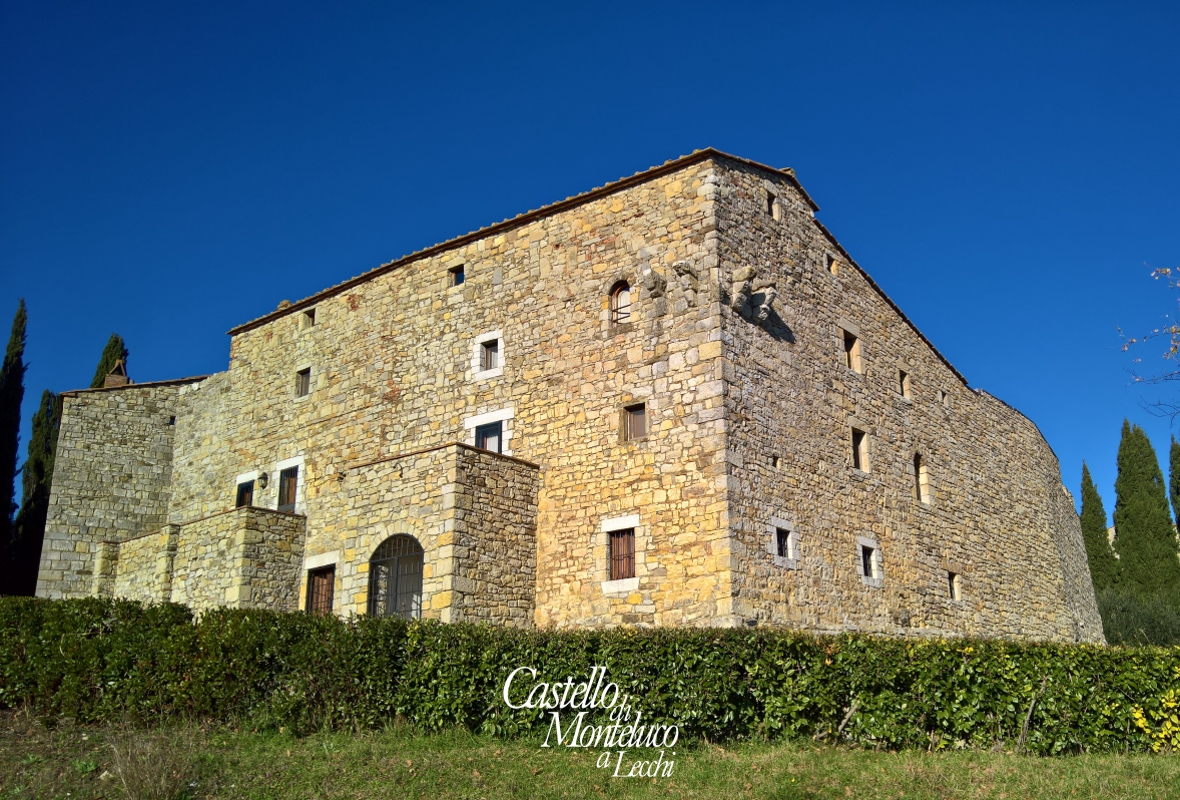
104, 660
1129, 618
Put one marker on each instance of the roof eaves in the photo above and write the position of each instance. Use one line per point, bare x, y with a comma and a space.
887, 299
146, 385
514, 222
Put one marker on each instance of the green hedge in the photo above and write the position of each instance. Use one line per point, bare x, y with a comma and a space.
100, 660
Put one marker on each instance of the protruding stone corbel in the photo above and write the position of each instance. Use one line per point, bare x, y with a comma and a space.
751, 296
689, 280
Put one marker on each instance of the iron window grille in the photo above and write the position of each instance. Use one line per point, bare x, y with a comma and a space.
395, 578
620, 303
622, 554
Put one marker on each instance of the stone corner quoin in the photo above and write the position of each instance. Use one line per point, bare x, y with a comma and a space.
672, 400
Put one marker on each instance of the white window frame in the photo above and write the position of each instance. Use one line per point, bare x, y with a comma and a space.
300, 481
478, 374
247, 477
626, 585
504, 415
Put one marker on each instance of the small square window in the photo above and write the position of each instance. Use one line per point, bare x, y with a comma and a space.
622, 554
489, 354
490, 437
457, 275
851, 351
784, 546
860, 450
635, 422
245, 494
868, 561
952, 585
308, 319
320, 584
903, 383
303, 382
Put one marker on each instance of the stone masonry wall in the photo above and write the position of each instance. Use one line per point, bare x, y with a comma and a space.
245, 558
734, 346
472, 512
997, 514
111, 480
145, 565
495, 539
392, 372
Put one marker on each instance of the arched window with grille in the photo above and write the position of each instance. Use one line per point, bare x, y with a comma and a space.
395, 578
620, 303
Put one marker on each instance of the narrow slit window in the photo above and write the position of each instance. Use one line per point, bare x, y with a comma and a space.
851, 351
860, 450
783, 545
773, 209
635, 422
903, 383
868, 566
921, 480
489, 354
288, 483
490, 437
944, 399
245, 494
309, 318
952, 585
320, 585
303, 382
457, 275
622, 554
620, 303
832, 265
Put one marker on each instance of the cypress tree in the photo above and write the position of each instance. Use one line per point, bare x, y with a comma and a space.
1146, 541
114, 351
36, 481
1103, 565
12, 392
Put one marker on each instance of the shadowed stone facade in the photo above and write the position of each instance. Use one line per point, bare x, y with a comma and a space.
756, 354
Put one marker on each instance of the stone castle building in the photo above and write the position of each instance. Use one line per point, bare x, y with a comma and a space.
672, 400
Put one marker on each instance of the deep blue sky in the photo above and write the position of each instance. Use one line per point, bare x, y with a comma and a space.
1009, 176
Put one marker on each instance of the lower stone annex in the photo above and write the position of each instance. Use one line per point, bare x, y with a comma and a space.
671, 400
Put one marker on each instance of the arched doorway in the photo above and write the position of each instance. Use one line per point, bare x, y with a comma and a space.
395, 578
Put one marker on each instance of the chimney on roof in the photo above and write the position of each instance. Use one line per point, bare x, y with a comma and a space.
117, 376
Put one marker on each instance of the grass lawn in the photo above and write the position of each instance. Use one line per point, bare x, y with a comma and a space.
66, 761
